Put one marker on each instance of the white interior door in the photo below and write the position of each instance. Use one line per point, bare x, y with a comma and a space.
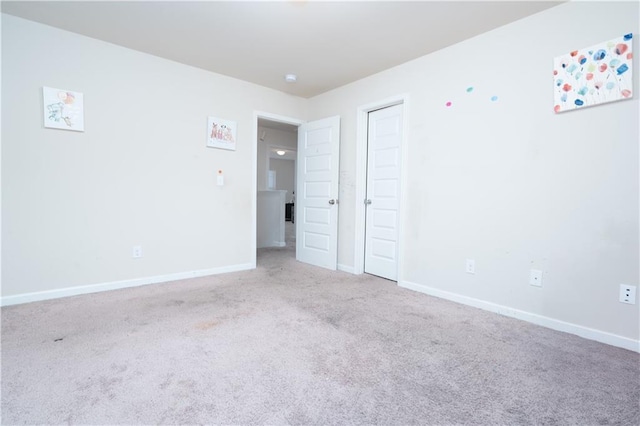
317, 193
383, 192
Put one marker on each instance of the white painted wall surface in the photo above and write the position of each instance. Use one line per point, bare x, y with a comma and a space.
74, 204
270, 230
285, 172
262, 163
509, 183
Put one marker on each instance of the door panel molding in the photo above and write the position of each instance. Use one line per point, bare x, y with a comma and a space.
361, 178
317, 192
383, 192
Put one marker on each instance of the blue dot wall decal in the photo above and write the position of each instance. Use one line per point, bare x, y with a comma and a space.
494, 98
469, 89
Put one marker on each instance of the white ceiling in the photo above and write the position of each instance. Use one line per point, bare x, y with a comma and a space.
277, 125
327, 44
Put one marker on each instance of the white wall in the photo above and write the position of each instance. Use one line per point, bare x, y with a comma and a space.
263, 162
285, 175
509, 183
74, 204
271, 214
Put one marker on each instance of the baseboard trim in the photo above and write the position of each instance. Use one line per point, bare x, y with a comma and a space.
115, 285
585, 332
273, 244
346, 268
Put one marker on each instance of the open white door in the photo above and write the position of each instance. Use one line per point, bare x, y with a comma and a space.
317, 193
383, 192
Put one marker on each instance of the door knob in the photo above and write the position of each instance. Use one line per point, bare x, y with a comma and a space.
332, 201
367, 201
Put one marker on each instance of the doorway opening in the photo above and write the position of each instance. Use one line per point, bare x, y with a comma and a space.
315, 206
276, 154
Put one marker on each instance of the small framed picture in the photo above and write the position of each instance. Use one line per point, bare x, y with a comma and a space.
63, 109
221, 133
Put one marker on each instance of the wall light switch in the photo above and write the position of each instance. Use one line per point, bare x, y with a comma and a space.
220, 178
535, 277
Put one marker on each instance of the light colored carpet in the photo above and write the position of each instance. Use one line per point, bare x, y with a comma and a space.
289, 343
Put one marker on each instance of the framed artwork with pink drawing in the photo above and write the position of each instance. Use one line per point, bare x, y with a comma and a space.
63, 109
221, 133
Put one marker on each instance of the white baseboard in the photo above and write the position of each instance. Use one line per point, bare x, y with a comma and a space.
585, 332
346, 268
114, 285
273, 244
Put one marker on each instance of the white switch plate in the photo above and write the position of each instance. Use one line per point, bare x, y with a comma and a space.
628, 294
471, 266
136, 252
535, 277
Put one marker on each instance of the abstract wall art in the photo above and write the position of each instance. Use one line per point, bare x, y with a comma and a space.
63, 109
221, 133
594, 75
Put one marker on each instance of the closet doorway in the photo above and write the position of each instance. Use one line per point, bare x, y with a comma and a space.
379, 187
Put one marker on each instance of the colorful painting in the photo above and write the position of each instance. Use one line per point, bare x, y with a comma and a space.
221, 133
63, 109
594, 75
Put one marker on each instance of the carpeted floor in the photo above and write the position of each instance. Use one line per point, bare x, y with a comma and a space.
289, 343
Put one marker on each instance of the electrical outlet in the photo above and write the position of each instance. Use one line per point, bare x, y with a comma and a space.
535, 277
471, 266
628, 294
136, 252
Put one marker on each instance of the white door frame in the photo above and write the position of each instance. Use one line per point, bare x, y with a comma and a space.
361, 177
254, 174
